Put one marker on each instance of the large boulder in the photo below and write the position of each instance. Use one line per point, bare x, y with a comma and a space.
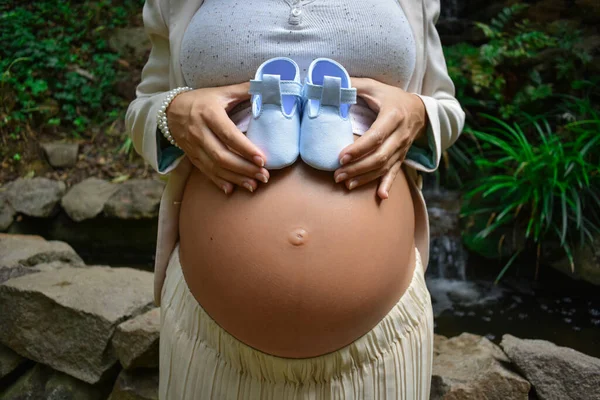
136, 340
135, 199
136, 385
556, 373
87, 198
66, 318
27, 254
35, 197
469, 367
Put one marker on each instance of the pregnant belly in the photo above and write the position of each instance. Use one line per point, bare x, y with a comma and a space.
302, 266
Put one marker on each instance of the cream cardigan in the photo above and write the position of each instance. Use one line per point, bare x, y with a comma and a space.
165, 22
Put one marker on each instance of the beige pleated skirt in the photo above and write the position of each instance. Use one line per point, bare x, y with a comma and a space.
200, 360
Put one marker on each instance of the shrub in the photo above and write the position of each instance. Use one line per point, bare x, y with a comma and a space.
534, 183
57, 69
520, 67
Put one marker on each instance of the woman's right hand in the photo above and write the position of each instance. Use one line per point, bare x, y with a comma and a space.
199, 123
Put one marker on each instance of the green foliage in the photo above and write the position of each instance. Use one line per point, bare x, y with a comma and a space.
520, 66
529, 157
57, 69
533, 179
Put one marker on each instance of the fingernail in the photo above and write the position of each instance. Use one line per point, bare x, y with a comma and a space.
341, 177
353, 183
345, 159
259, 160
248, 186
261, 177
224, 187
386, 194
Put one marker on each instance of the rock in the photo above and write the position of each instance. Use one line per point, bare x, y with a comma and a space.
61, 386
130, 43
471, 367
9, 361
135, 199
60, 154
555, 372
86, 199
7, 212
136, 385
67, 317
586, 260
30, 385
136, 340
36, 197
24, 254
41, 382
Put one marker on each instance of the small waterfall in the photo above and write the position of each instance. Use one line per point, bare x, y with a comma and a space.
447, 271
447, 257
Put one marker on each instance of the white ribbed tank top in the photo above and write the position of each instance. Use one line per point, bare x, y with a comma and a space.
226, 40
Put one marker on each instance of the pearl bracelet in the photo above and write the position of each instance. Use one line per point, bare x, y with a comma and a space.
162, 115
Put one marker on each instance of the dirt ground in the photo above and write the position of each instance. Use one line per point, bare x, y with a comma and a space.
99, 156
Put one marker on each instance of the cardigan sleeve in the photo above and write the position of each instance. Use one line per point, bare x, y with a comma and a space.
141, 115
445, 117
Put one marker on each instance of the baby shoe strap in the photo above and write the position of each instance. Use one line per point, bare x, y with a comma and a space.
312, 91
273, 85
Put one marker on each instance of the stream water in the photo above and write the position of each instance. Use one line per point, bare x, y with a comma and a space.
554, 308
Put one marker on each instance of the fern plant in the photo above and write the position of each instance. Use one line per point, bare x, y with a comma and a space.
546, 186
521, 65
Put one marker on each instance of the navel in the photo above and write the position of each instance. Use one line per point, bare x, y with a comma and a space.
298, 236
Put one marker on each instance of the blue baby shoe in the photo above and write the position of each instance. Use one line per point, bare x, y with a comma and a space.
326, 128
276, 107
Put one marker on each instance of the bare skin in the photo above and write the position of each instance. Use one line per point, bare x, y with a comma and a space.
297, 265
302, 266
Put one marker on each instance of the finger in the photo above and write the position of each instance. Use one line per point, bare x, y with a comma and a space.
364, 86
385, 124
383, 191
217, 171
374, 160
225, 158
366, 89
249, 184
365, 178
361, 179
219, 122
223, 185
234, 94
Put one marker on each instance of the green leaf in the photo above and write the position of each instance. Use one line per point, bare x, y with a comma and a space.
506, 267
563, 204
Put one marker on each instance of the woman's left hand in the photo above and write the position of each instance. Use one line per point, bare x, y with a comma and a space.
380, 151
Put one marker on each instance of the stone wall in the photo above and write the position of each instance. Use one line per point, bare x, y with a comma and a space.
74, 331
102, 220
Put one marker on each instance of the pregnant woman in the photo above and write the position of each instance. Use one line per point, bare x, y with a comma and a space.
293, 283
